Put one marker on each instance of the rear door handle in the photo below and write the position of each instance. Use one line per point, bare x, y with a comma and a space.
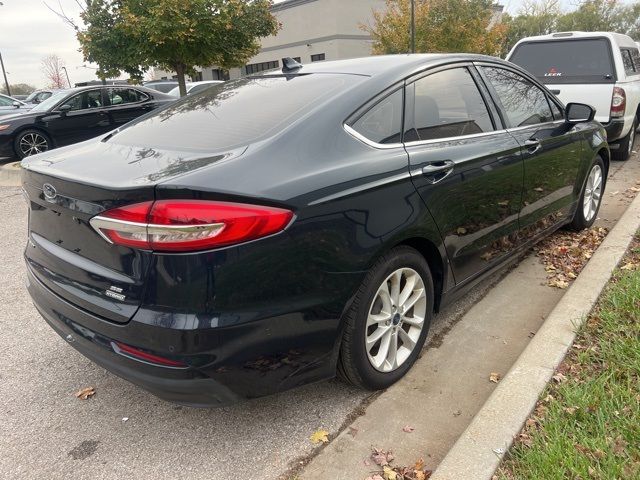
532, 145
555, 92
437, 171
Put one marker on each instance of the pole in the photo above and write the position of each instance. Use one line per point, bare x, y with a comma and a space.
67, 73
6, 82
413, 26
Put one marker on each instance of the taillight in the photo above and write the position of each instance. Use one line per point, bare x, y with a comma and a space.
137, 354
618, 102
188, 225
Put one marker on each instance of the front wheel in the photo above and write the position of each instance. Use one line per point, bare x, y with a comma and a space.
591, 197
625, 146
30, 142
388, 322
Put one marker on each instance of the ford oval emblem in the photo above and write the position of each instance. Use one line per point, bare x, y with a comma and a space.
49, 191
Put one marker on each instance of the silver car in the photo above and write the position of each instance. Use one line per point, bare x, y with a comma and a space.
9, 105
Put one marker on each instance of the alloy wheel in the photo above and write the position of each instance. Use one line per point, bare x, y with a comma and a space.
33, 143
395, 320
592, 193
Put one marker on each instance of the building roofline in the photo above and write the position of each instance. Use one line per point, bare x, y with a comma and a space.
289, 4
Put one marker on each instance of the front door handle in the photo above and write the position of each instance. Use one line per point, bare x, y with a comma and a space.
555, 92
532, 145
437, 171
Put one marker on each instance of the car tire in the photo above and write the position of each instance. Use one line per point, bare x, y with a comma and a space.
591, 197
30, 142
625, 146
365, 364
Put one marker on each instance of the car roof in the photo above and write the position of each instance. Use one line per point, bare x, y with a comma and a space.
386, 64
617, 38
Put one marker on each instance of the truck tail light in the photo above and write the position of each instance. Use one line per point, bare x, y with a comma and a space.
188, 225
618, 102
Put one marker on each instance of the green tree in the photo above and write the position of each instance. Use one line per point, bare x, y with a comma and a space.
134, 35
19, 89
441, 26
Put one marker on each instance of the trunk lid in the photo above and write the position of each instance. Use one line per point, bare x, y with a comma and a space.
65, 189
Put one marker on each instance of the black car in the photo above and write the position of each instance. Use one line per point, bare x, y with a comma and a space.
74, 115
272, 230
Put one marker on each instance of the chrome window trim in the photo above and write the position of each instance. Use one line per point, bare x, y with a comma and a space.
515, 129
358, 136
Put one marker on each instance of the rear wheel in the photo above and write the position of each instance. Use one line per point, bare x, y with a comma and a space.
388, 322
625, 146
30, 142
591, 197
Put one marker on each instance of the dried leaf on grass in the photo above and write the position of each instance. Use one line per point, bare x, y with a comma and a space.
564, 254
320, 436
85, 393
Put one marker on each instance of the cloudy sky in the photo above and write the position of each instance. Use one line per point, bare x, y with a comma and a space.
29, 31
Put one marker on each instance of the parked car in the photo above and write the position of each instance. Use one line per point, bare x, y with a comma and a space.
279, 228
195, 87
40, 96
74, 115
22, 98
164, 86
11, 106
598, 68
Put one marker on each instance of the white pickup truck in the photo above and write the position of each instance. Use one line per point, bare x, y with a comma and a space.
601, 69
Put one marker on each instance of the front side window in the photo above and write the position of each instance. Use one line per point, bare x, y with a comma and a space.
382, 123
6, 101
447, 104
121, 96
85, 100
523, 102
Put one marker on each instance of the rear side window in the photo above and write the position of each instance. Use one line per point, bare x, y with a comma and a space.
121, 96
446, 104
635, 56
627, 61
523, 102
567, 61
383, 122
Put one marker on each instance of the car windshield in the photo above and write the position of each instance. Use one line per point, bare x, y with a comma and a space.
234, 114
49, 102
586, 60
175, 92
31, 96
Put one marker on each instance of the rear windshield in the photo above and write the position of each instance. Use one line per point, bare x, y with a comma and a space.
567, 61
234, 114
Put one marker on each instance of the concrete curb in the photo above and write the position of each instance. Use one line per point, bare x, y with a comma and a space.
480, 449
10, 174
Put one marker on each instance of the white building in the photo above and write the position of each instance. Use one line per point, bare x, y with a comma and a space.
312, 30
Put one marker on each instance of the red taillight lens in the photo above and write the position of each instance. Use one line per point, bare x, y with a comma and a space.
618, 102
188, 225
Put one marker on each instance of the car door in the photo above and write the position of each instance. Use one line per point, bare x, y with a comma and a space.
466, 167
551, 149
85, 118
126, 104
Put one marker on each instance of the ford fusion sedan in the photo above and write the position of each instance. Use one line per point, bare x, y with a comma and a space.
274, 230
74, 115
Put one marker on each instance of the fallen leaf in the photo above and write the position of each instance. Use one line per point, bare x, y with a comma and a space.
85, 393
419, 465
457, 413
353, 431
320, 436
503, 203
407, 429
559, 378
389, 474
494, 377
375, 477
570, 410
628, 266
539, 189
619, 446
381, 457
125, 419
461, 231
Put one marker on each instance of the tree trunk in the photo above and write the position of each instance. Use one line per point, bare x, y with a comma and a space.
181, 81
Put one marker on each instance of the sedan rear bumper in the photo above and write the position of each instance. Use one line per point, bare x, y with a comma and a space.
222, 365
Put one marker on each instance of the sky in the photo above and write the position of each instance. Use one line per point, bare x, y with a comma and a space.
29, 31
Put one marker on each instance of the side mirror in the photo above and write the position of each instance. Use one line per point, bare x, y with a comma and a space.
17, 104
63, 109
579, 113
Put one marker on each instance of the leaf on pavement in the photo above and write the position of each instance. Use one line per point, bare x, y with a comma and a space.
407, 429
374, 477
85, 393
320, 436
382, 457
494, 377
389, 473
353, 431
